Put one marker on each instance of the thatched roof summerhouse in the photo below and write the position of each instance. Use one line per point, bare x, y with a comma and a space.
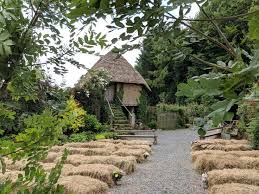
120, 70
125, 85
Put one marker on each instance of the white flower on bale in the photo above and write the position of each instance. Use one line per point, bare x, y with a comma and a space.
204, 179
146, 155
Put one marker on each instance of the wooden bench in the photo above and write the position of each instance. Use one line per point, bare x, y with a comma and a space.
214, 132
217, 132
126, 136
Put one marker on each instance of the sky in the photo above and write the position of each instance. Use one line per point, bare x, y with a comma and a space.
73, 74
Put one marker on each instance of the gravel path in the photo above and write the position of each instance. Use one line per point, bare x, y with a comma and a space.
168, 170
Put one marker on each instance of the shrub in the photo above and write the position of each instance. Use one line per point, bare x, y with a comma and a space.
73, 116
246, 113
63, 139
92, 123
194, 110
106, 135
81, 137
152, 124
254, 127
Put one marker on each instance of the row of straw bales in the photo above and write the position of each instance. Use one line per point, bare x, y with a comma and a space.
104, 148
206, 163
208, 153
127, 164
229, 166
91, 170
225, 145
78, 184
91, 167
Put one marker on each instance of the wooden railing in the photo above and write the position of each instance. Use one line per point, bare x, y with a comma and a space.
125, 106
110, 110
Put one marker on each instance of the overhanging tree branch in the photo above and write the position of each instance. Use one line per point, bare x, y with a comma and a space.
204, 35
210, 64
221, 34
234, 17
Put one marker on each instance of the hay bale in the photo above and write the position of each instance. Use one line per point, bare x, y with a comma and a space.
57, 149
220, 143
252, 153
91, 144
127, 142
234, 188
127, 164
204, 163
102, 172
67, 168
145, 147
15, 166
82, 185
139, 154
216, 146
242, 176
10, 175
82, 148
92, 151
52, 156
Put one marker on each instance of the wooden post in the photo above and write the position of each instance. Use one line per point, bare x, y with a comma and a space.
132, 117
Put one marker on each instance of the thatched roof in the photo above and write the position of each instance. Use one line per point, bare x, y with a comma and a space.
119, 69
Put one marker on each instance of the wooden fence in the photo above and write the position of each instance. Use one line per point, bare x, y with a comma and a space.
167, 120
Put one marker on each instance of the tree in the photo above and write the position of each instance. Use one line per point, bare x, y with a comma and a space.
89, 91
31, 107
165, 67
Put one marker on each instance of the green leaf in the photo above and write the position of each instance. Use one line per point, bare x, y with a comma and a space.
7, 49
228, 116
253, 24
4, 35
119, 23
104, 4
76, 44
130, 30
2, 19
80, 40
2, 165
201, 132
114, 40
1, 50
47, 41
83, 50
129, 22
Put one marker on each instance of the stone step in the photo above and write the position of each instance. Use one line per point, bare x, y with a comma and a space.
122, 124
124, 116
122, 128
121, 121
120, 117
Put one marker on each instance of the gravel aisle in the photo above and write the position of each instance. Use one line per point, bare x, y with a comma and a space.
168, 170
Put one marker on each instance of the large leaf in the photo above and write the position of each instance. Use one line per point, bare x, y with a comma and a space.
254, 24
